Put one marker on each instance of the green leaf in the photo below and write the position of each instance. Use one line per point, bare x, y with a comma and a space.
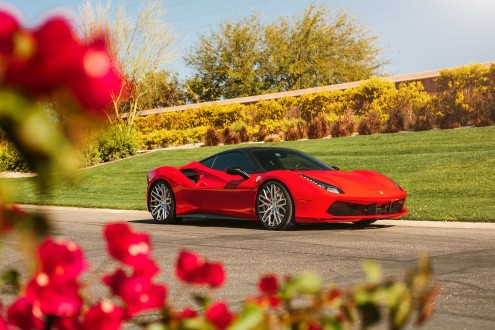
156, 326
372, 270
250, 318
370, 314
304, 283
201, 300
12, 278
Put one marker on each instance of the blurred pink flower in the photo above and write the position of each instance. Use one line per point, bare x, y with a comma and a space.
103, 316
127, 246
138, 293
193, 269
23, 314
219, 315
61, 259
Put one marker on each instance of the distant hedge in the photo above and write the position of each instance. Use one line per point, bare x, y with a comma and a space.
464, 96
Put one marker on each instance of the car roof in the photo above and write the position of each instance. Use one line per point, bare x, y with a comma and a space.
248, 149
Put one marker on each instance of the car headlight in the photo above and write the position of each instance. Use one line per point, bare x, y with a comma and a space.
326, 186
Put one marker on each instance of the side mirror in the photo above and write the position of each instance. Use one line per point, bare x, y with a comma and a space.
237, 171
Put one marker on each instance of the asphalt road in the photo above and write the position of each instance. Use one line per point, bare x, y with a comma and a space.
463, 255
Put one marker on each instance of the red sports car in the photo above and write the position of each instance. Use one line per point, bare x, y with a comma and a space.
277, 186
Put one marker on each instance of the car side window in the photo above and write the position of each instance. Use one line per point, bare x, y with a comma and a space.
233, 159
209, 162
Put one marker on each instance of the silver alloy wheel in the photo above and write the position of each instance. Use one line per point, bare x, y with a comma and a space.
160, 201
272, 205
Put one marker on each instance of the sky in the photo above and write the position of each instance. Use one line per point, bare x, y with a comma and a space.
415, 35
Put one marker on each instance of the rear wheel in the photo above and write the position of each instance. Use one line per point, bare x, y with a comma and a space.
161, 202
274, 206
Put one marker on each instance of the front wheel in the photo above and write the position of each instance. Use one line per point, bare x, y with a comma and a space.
161, 202
274, 206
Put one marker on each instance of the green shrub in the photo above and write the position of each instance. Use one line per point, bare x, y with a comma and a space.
11, 159
116, 142
372, 94
461, 92
266, 110
427, 116
316, 104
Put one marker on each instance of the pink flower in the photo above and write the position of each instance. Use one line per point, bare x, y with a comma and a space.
23, 314
138, 293
54, 296
54, 60
146, 269
193, 269
189, 267
214, 274
103, 316
219, 315
3, 324
99, 79
186, 313
62, 259
127, 246
8, 27
268, 284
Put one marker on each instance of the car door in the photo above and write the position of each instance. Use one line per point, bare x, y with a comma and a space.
225, 194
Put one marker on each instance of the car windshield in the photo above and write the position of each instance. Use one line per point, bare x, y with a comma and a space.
286, 159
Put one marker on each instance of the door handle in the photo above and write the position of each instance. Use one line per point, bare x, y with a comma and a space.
202, 184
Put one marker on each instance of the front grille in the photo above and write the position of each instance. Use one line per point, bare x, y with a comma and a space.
345, 209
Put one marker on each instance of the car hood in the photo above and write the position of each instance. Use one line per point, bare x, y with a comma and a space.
355, 181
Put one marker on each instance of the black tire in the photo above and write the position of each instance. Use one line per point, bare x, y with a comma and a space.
274, 206
363, 223
161, 202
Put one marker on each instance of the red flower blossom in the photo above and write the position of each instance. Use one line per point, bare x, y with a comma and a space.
146, 269
219, 315
23, 314
186, 313
138, 293
334, 294
53, 59
127, 246
268, 284
99, 78
8, 27
189, 267
214, 274
54, 296
103, 316
193, 269
3, 324
62, 259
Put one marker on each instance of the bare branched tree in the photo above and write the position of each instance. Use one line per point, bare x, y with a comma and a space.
141, 42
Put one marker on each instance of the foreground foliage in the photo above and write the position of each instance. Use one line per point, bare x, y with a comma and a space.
50, 295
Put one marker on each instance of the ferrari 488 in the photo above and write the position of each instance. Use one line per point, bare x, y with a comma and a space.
277, 186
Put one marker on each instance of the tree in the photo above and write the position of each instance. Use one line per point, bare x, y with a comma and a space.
228, 62
162, 90
141, 43
314, 49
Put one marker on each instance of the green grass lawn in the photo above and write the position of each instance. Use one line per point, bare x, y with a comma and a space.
449, 174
